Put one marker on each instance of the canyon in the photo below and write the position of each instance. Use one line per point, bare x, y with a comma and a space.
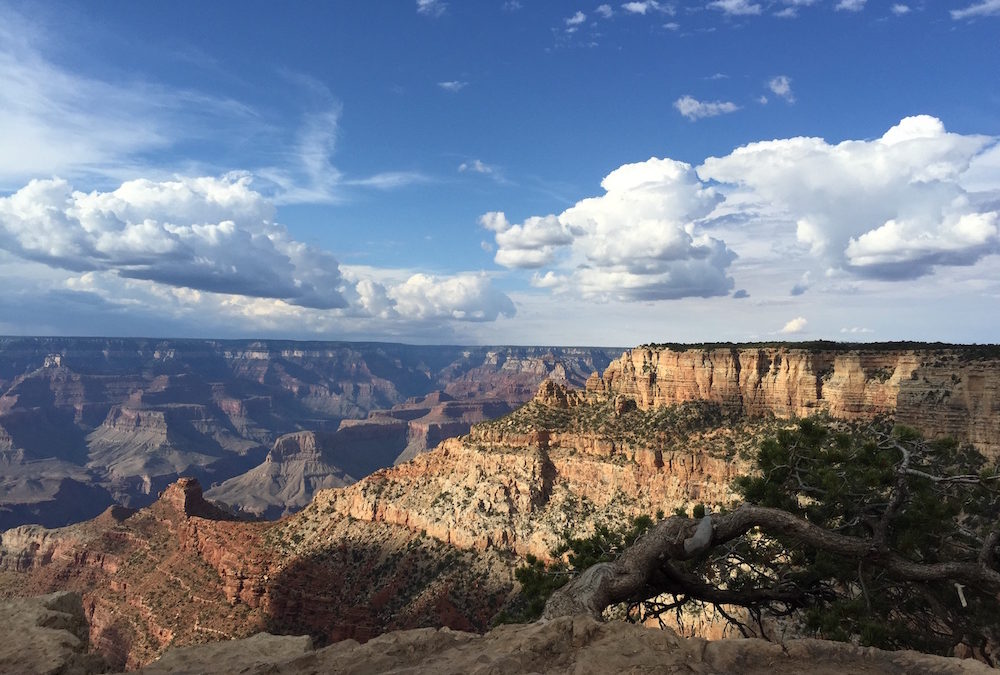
433, 541
90, 422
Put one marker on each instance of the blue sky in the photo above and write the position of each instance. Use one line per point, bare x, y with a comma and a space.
502, 172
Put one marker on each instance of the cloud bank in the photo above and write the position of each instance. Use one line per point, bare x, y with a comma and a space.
211, 242
893, 208
901, 206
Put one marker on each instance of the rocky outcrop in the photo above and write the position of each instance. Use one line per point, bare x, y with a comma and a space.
52, 637
577, 645
565, 463
182, 571
953, 391
47, 635
299, 464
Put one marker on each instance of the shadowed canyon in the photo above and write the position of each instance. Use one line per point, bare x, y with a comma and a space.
399, 534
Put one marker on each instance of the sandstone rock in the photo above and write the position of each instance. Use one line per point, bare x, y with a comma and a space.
253, 654
576, 645
46, 635
941, 391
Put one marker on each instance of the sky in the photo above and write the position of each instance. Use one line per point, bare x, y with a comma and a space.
502, 171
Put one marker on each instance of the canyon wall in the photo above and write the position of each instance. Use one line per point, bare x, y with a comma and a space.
940, 390
117, 419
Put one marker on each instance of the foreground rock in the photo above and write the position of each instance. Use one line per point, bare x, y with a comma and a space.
46, 634
569, 645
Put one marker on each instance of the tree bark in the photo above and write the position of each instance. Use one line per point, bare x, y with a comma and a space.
631, 576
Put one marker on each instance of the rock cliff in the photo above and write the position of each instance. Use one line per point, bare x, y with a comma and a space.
939, 390
183, 571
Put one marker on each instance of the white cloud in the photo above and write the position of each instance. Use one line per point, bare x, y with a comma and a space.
208, 234
453, 85
576, 19
390, 180
466, 297
431, 7
529, 245
646, 6
477, 166
890, 208
851, 5
792, 8
638, 241
693, 109
604, 11
210, 245
782, 86
856, 330
796, 325
985, 8
900, 9
736, 7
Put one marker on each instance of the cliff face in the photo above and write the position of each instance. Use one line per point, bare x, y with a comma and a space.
182, 571
947, 391
563, 463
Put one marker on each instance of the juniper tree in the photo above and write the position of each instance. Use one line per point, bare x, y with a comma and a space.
863, 533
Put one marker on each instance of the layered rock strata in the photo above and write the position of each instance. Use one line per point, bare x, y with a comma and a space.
939, 390
182, 572
85, 422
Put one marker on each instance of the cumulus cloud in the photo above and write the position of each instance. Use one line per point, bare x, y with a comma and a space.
889, 208
693, 109
736, 7
210, 234
796, 325
900, 9
851, 5
781, 85
211, 245
638, 241
985, 8
576, 19
529, 245
604, 11
465, 297
646, 6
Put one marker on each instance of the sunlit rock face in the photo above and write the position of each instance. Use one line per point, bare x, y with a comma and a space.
941, 391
